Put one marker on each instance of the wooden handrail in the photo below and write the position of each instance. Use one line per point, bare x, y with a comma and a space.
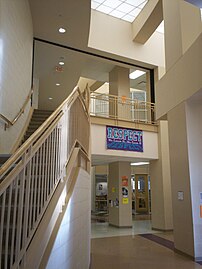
12, 122
39, 131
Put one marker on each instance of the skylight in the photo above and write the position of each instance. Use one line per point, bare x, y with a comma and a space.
126, 10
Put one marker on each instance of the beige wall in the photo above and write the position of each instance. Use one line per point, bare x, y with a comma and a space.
72, 245
101, 169
172, 25
115, 36
143, 169
150, 142
192, 27
16, 40
181, 81
183, 41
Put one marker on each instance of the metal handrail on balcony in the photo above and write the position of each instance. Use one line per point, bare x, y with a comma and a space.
121, 108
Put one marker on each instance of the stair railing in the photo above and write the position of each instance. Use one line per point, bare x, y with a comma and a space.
30, 177
8, 122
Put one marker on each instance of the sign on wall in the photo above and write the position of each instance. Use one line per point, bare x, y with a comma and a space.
119, 138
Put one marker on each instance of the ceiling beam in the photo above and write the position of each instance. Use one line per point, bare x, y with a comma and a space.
147, 21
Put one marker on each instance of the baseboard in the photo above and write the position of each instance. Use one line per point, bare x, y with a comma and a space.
114, 225
184, 254
162, 230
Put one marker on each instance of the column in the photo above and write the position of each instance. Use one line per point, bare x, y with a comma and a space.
161, 200
119, 85
119, 194
93, 188
186, 154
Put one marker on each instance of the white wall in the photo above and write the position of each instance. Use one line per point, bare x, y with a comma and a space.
115, 36
16, 39
71, 249
98, 134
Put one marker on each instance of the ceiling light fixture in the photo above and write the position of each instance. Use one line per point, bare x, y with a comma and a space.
50, 98
62, 30
61, 63
136, 74
139, 163
57, 84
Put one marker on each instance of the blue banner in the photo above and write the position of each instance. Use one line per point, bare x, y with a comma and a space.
118, 138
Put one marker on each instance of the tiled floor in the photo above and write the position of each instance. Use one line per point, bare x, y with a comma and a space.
100, 230
114, 248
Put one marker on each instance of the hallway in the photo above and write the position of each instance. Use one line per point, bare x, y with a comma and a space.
139, 247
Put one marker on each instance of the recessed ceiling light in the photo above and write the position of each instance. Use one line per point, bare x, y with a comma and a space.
139, 163
61, 63
57, 84
50, 98
62, 30
136, 74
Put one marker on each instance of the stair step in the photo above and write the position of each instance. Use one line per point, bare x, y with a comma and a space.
38, 118
4, 158
42, 112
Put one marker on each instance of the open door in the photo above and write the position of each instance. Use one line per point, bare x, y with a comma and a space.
141, 193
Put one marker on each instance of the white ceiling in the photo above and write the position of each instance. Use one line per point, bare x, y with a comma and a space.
48, 16
106, 159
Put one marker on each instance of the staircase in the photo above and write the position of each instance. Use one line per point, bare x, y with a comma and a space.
4, 158
38, 117
37, 182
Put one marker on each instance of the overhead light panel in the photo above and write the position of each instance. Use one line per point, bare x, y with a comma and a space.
57, 84
61, 63
50, 98
139, 163
136, 74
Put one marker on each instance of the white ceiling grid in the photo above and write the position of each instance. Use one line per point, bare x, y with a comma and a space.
126, 10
